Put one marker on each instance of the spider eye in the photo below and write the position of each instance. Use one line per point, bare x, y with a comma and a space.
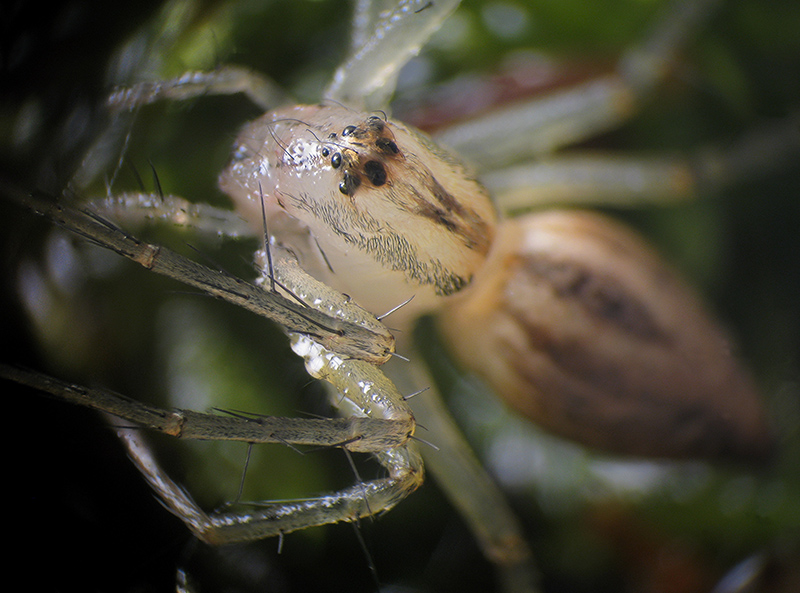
387, 146
325, 151
336, 160
375, 123
349, 184
348, 130
375, 172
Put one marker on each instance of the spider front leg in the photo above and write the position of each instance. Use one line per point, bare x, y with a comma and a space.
361, 392
365, 392
360, 500
380, 422
377, 420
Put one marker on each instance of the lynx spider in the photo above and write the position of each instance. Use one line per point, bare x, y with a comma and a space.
359, 495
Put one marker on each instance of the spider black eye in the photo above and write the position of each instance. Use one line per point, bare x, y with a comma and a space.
376, 173
348, 130
387, 146
336, 160
349, 184
325, 152
375, 123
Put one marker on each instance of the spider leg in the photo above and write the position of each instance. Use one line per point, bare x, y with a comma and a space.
382, 42
627, 180
365, 433
225, 80
542, 125
368, 400
364, 394
350, 339
466, 483
124, 103
360, 500
132, 208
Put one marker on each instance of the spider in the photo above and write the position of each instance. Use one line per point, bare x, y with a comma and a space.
348, 190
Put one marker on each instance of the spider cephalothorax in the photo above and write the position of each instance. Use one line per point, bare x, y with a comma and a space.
376, 201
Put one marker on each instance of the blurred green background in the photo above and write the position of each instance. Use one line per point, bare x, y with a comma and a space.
82, 517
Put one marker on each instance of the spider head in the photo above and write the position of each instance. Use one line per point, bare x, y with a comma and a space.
385, 213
